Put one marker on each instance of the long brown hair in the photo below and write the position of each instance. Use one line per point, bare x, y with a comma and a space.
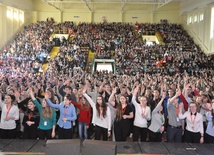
34, 113
13, 98
47, 111
119, 109
102, 106
52, 94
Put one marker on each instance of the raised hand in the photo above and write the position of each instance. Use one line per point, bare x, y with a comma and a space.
30, 91
114, 91
178, 92
17, 94
84, 89
164, 95
136, 89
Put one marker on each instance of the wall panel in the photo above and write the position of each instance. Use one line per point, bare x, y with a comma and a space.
110, 16
76, 17
171, 17
43, 15
140, 17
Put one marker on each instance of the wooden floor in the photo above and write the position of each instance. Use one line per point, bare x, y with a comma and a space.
38, 147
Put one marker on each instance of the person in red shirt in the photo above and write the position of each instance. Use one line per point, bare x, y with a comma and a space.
84, 117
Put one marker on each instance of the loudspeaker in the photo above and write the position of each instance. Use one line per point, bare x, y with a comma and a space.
95, 147
63, 147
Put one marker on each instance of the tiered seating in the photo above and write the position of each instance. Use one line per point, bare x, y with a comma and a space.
90, 61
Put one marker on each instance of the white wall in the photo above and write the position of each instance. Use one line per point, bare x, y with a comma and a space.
200, 30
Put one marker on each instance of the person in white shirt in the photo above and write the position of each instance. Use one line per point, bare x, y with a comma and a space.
194, 132
9, 115
101, 116
142, 115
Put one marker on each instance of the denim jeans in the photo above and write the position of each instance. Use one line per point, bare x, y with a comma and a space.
83, 130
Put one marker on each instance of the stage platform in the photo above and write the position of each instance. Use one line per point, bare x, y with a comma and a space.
73, 147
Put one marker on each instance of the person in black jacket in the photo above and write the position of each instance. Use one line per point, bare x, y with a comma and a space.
30, 121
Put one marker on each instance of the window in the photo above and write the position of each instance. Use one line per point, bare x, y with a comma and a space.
9, 14
195, 18
201, 17
15, 15
21, 16
190, 20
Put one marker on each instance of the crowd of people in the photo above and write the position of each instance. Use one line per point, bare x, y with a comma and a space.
156, 90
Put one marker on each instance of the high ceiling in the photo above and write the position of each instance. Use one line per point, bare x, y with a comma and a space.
100, 4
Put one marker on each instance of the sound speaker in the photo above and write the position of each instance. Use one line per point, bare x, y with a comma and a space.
94, 147
63, 147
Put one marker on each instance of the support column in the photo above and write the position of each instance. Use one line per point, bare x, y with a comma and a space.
121, 16
61, 16
152, 17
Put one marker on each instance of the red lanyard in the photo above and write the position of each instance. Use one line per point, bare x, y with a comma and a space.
124, 109
8, 110
177, 110
29, 116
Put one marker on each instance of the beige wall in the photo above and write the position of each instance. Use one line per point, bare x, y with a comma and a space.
76, 16
169, 12
39, 5
113, 16
19, 4
114, 13
43, 15
132, 17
